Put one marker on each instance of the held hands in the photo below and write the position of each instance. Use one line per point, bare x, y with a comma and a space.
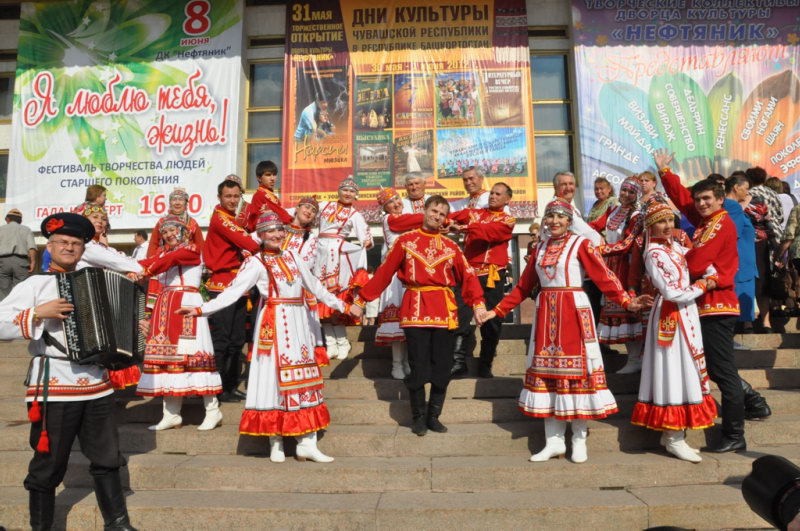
54, 309
185, 310
356, 311
663, 158
637, 303
482, 316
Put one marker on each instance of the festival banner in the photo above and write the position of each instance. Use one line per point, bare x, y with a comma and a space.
426, 88
713, 81
139, 97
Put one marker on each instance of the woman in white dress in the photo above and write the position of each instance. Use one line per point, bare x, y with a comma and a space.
674, 391
284, 391
565, 380
412, 164
179, 353
341, 264
389, 332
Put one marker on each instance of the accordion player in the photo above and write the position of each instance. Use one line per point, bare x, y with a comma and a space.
104, 328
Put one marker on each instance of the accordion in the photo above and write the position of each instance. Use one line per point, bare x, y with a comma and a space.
104, 327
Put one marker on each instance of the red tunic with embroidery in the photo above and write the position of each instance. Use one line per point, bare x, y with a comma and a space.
222, 252
488, 234
714, 245
429, 265
264, 199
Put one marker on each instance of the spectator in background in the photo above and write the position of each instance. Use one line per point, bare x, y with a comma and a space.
787, 201
140, 251
606, 199
787, 189
17, 252
533, 230
766, 212
737, 196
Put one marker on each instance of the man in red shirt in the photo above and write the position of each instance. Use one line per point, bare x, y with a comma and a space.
265, 197
223, 254
488, 231
714, 247
429, 265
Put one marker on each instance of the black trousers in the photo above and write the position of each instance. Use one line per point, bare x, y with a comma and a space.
490, 330
430, 356
228, 335
92, 422
721, 364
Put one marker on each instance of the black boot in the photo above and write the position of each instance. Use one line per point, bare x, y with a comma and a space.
435, 405
731, 442
459, 369
111, 500
417, 398
755, 405
42, 505
488, 349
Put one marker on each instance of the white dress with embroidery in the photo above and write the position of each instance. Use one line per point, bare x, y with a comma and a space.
674, 391
196, 373
284, 391
338, 259
390, 300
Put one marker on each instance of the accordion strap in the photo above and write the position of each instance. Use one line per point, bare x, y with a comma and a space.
50, 341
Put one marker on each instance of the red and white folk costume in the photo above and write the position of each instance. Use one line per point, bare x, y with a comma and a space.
341, 265
414, 206
565, 379
264, 200
179, 353
98, 254
303, 243
621, 225
284, 392
674, 391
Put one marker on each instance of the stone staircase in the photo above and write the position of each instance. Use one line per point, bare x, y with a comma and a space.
476, 476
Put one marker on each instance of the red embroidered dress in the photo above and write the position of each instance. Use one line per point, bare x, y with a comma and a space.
621, 226
179, 353
284, 390
675, 392
565, 377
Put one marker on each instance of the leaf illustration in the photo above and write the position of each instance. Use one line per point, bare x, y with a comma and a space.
626, 111
725, 103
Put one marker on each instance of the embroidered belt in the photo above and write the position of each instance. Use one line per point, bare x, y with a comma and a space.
449, 298
561, 289
188, 289
293, 300
493, 270
332, 236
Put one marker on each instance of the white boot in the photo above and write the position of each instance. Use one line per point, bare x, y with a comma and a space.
554, 435
676, 445
330, 341
665, 439
341, 341
172, 414
213, 416
634, 363
398, 349
580, 430
307, 449
276, 454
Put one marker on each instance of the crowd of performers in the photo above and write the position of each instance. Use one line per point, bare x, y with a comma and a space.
669, 299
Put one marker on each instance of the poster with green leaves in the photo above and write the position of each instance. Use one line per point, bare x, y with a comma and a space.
139, 96
714, 82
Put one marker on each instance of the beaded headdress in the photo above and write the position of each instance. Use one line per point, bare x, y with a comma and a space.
267, 221
309, 200
349, 182
179, 192
386, 194
634, 184
558, 206
657, 211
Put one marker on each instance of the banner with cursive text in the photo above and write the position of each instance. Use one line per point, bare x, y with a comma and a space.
139, 97
714, 81
407, 87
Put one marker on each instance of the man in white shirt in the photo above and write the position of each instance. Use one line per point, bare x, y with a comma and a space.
565, 187
477, 195
414, 202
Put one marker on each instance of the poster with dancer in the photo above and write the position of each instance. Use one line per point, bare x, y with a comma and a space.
398, 78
